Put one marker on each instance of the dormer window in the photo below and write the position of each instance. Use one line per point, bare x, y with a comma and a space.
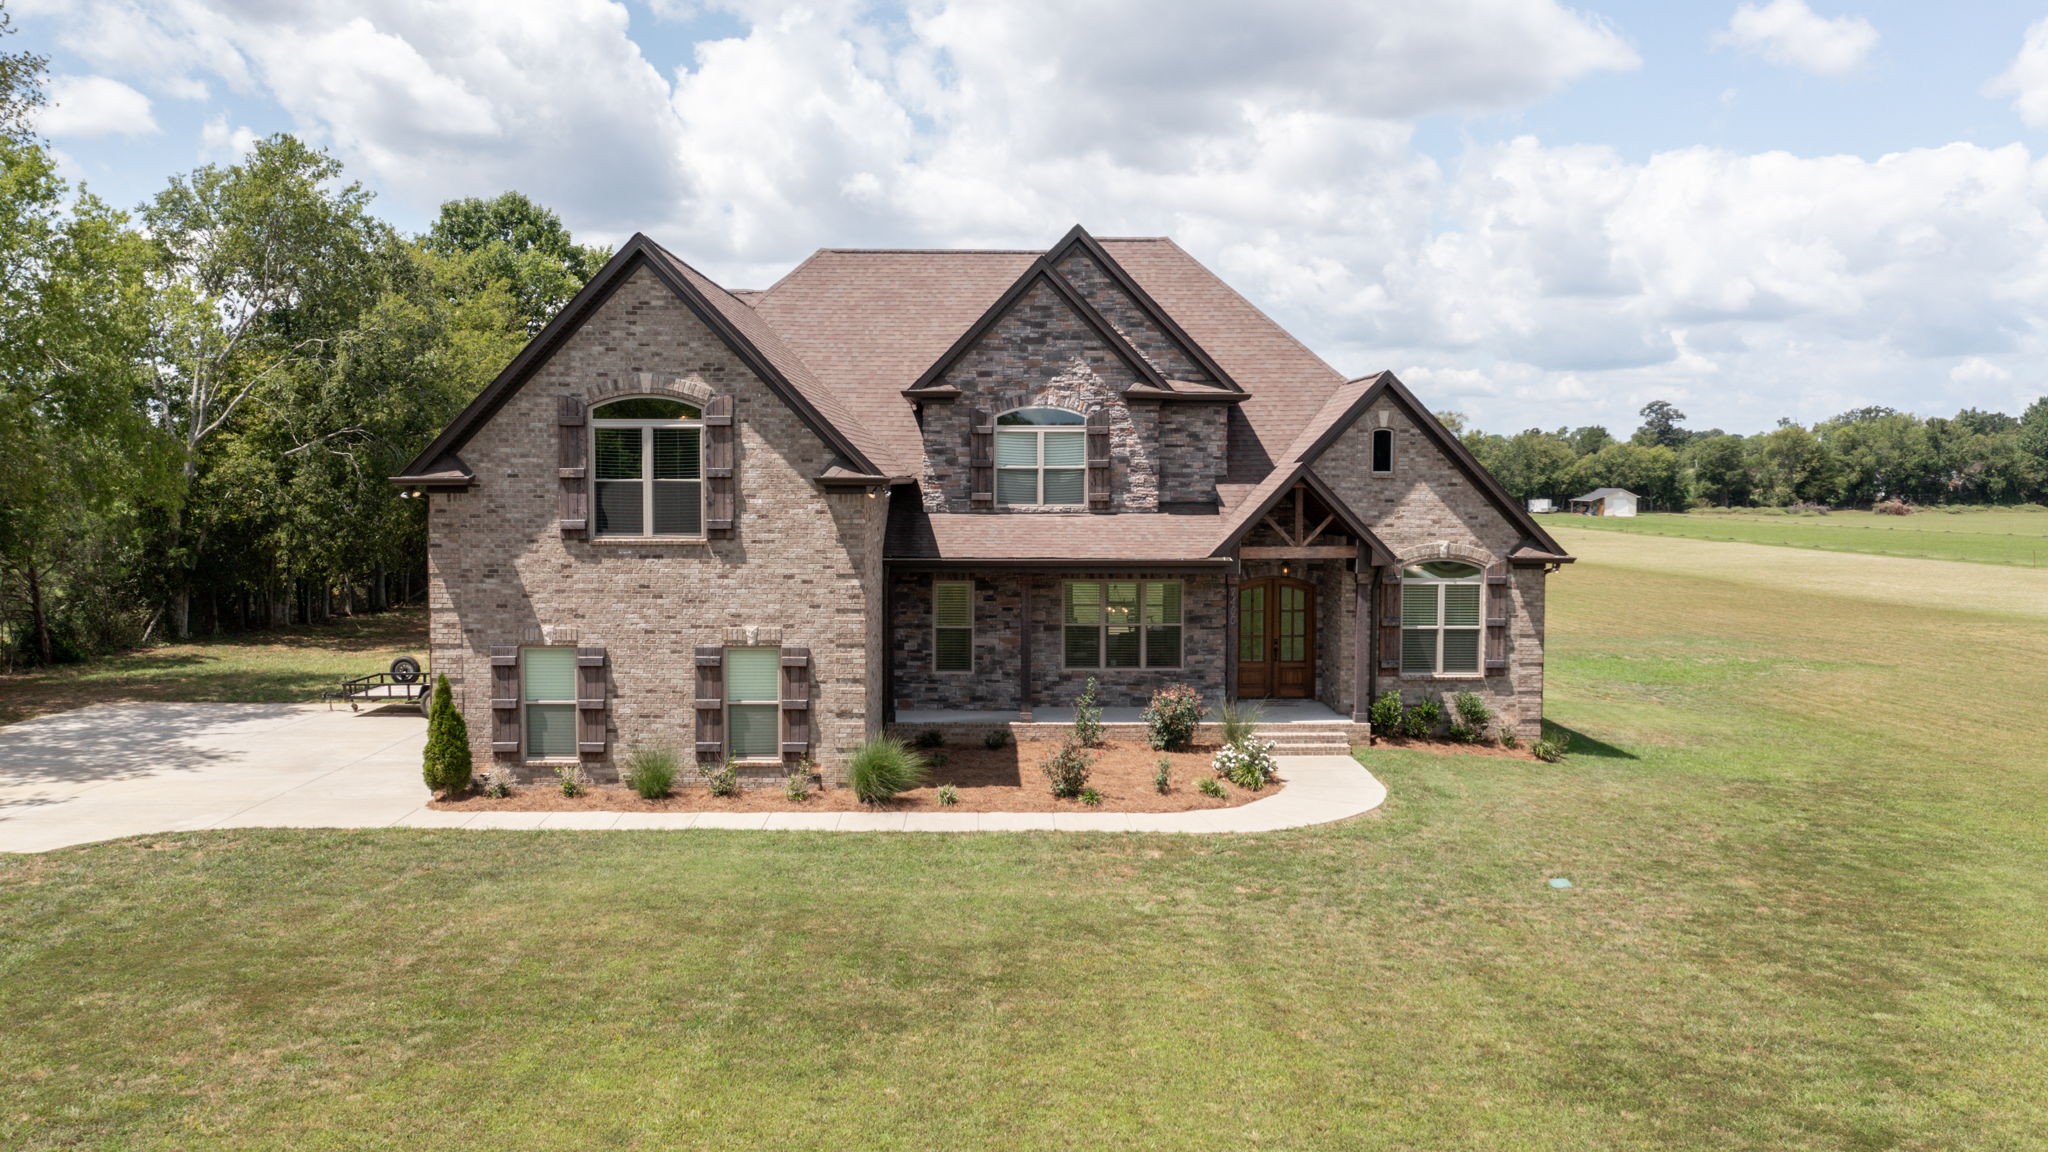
1041, 457
649, 474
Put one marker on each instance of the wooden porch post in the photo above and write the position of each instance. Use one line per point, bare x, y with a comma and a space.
1364, 659
1230, 590
1024, 649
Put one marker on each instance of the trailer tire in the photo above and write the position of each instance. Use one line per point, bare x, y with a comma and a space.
405, 670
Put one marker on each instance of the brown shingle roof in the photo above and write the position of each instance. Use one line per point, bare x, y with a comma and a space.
915, 534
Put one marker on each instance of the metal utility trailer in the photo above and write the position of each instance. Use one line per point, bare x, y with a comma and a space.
403, 683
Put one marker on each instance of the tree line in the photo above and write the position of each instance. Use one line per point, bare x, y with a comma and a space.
1856, 459
201, 399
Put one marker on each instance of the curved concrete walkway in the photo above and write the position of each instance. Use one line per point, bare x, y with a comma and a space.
128, 769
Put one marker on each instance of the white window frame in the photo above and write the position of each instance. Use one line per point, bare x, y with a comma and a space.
1372, 450
526, 751
647, 480
774, 701
1103, 626
1438, 584
938, 627
1038, 467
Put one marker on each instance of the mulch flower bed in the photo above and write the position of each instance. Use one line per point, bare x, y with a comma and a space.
1004, 779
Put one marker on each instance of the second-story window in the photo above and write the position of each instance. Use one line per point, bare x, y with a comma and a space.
1041, 457
649, 477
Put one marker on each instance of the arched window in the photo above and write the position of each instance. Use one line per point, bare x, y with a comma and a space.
1440, 619
1041, 457
1382, 451
649, 474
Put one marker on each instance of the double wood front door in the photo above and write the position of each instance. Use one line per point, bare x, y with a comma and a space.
1276, 638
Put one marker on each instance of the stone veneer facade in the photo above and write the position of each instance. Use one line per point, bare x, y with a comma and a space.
803, 566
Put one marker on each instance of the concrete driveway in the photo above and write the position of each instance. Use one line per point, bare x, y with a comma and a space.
123, 769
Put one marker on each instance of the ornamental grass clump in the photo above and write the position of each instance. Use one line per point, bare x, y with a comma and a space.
1239, 721
446, 761
1173, 717
651, 771
1066, 769
882, 768
1211, 787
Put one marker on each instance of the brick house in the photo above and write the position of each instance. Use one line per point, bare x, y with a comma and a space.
761, 525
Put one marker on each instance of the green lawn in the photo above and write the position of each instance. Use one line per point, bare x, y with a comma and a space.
1986, 535
1806, 826
284, 665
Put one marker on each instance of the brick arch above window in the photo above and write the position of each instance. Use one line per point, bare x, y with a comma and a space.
1445, 550
691, 392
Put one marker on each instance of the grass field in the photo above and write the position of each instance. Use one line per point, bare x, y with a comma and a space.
266, 667
1806, 825
1983, 535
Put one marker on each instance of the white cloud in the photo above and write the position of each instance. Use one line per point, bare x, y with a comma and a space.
2026, 80
94, 106
1788, 32
221, 144
1978, 370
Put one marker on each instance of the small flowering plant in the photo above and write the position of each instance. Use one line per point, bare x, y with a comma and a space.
1172, 717
1247, 763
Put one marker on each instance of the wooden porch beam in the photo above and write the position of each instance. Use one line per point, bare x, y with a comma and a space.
1295, 552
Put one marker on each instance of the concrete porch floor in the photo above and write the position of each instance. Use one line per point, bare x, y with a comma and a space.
1270, 712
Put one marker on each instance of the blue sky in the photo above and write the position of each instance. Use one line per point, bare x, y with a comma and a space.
1539, 214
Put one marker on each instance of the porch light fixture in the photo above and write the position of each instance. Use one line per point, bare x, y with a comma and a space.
1287, 569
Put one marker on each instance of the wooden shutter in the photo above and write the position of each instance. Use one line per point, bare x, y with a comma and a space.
981, 459
711, 705
796, 701
1497, 601
505, 698
593, 706
721, 479
1098, 460
575, 498
1390, 619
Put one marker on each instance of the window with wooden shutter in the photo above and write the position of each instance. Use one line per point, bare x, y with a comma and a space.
1441, 629
593, 705
753, 698
1497, 601
575, 486
1390, 619
981, 459
547, 681
505, 698
796, 701
952, 626
1098, 460
710, 705
721, 470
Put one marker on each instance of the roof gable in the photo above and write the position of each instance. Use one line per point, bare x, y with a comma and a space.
754, 342
1096, 274
1041, 273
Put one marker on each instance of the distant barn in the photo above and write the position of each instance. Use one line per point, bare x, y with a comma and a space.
1606, 502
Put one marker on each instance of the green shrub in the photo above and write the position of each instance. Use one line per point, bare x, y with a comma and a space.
996, 738
1091, 797
1066, 768
1419, 722
1508, 739
725, 781
1211, 787
1386, 714
1247, 763
1162, 778
651, 771
797, 787
1548, 751
1473, 715
570, 777
930, 738
882, 768
1239, 721
498, 780
1088, 717
948, 795
446, 762
1173, 716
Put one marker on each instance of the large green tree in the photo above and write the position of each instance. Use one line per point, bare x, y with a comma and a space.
509, 239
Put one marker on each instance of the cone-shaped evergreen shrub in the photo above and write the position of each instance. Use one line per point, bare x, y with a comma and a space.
446, 764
